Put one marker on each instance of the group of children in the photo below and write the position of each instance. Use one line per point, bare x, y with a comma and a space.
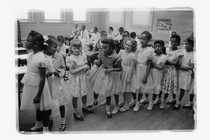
53, 78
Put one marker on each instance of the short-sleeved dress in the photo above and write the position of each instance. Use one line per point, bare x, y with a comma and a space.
128, 71
103, 83
31, 81
170, 74
143, 55
57, 85
193, 85
78, 82
157, 74
185, 77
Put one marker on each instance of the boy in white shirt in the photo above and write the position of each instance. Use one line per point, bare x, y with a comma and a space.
133, 35
76, 31
111, 33
84, 37
94, 39
119, 34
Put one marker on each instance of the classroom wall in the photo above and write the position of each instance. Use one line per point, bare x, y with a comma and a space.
55, 29
182, 22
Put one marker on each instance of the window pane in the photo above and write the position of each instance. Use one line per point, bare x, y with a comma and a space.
79, 15
116, 17
52, 14
142, 18
22, 14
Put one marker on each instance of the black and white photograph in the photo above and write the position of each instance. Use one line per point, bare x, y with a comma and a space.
129, 69
105, 70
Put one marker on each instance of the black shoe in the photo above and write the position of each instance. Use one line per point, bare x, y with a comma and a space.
87, 110
92, 104
36, 130
176, 106
108, 114
78, 117
62, 127
50, 124
121, 105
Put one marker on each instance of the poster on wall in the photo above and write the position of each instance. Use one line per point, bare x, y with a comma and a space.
164, 25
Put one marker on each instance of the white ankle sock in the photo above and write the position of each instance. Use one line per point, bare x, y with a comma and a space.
38, 124
46, 129
63, 120
107, 108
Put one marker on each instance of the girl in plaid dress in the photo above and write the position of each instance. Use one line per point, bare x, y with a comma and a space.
170, 74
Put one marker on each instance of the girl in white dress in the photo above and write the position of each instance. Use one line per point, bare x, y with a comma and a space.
56, 81
128, 71
156, 71
78, 84
143, 82
186, 66
36, 93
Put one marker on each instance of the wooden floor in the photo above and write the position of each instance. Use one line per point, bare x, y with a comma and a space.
157, 119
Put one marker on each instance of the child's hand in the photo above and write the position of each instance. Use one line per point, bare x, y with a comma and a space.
56, 74
96, 62
36, 99
49, 74
88, 73
86, 67
107, 71
144, 80
181, 56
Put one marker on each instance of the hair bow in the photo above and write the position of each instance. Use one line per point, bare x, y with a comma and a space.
45, 39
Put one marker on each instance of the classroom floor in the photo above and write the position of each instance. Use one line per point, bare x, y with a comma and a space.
156, 119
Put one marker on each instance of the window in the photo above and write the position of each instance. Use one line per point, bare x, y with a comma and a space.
142, 17
23, 15
116, 16
80, 15
52, 15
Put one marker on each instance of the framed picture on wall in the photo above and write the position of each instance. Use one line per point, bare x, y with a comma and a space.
164, 25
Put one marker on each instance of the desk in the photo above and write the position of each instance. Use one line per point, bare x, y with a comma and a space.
20, 50
22, 56
21, 70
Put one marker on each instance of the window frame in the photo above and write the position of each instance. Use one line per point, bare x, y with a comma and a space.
54, 21
27, 20
87, 17
123, 17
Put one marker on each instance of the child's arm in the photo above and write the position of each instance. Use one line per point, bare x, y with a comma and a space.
73, 67
158, 66
76, 70
149, 62
131, 70
98, 62
117, 67
186, 68
41, 85
175, 61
